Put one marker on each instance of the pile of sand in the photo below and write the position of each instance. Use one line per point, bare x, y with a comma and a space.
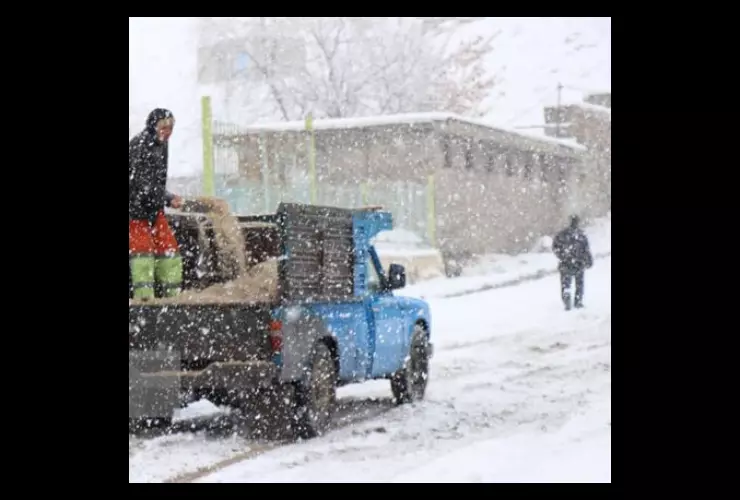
257, 284
231, 255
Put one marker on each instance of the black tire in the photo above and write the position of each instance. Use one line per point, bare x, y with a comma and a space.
144, 424
409, 384
316, 396
265, 412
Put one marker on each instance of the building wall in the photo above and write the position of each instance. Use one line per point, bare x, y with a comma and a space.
600, 99
588, 123
498, 197
493, 193
592, 128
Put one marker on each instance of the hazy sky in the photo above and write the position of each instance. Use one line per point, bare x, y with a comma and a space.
532, 55
162, 73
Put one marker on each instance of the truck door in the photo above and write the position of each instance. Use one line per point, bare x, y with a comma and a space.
385, 314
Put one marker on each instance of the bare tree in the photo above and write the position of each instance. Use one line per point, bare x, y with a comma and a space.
345, 67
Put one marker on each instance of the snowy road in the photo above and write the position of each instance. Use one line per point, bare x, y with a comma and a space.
520, 391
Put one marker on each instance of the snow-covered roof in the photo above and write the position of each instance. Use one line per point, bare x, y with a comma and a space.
402, 119
598, 92
593, 107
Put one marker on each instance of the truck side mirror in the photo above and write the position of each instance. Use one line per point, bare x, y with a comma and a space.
396, 276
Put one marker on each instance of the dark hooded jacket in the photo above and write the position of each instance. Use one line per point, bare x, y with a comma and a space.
572, 249
147, 171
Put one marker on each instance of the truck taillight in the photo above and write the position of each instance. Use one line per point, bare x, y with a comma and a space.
276, 335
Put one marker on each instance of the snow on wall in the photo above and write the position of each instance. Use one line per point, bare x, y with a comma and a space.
592, 107
404, 118
401, 246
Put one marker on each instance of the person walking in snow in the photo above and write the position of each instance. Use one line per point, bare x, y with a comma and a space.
573, 252
153, 250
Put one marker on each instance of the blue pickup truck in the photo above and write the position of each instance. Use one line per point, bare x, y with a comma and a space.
334, 320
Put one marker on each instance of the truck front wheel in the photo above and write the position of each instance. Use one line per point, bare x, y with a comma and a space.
409, 384
316, 396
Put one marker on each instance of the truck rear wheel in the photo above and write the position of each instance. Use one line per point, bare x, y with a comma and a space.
266, 412
410, 383
317, 395
144, 424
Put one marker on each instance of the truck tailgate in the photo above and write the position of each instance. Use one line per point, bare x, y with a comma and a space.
202, 333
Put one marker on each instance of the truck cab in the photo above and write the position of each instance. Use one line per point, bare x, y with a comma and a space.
372, 328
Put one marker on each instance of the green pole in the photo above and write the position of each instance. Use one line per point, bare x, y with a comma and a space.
207, 124
312, 158
265, 172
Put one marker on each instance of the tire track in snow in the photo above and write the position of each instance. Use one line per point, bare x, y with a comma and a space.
537, 397
514, 337
351, 411
362, 411
522, 366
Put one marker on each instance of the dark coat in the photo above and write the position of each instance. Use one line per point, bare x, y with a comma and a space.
147, 171
572, 249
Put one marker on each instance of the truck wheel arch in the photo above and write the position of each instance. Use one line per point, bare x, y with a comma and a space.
299, 336
422, 323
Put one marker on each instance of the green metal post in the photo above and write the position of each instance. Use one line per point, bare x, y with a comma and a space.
312, 159
209, 188
432, 211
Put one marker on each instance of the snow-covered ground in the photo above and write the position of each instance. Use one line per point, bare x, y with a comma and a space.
520, 391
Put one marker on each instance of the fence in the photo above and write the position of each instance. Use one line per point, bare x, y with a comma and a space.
411, 203
408, 202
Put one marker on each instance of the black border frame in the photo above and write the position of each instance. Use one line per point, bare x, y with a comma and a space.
655, 411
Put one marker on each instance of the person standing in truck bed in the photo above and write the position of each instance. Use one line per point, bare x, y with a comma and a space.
154, 255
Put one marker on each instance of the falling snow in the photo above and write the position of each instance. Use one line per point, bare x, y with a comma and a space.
337, 150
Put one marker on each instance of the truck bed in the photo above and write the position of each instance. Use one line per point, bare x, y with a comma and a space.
195, 347
202, 333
